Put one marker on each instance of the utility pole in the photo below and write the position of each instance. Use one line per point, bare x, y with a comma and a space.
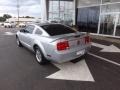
59, 8
18, 6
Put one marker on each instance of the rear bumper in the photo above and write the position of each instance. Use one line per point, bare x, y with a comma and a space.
68, 56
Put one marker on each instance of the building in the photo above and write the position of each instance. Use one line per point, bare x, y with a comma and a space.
22, 20
96, 16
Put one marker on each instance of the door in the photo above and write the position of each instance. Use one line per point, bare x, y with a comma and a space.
117, 32
22, 36
107, 24
27, 36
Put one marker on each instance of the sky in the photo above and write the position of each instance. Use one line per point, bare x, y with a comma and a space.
27, 7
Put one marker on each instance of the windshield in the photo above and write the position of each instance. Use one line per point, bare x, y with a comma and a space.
57, 29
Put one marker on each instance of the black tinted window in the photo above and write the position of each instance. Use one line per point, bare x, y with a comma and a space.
30, 28
38, 31
57, 29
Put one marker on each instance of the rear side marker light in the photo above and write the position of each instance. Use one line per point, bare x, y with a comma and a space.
87, 39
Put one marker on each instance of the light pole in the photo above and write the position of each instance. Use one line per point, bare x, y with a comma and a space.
18, 6
59, 8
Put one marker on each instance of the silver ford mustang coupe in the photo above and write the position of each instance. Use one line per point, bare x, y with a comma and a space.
53, 42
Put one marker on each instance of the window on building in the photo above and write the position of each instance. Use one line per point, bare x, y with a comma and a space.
107, 24
88, 18
110, 1
110, 8
81, 3
61, 11
118, 27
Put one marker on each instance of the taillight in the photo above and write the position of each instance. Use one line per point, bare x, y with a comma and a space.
62, 45
87, 39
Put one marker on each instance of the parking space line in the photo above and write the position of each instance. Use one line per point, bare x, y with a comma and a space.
73, 71
104, 59
9, 33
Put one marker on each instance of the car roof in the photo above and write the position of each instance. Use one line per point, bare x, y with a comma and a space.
44, 24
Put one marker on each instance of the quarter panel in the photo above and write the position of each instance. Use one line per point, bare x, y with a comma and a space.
44, 44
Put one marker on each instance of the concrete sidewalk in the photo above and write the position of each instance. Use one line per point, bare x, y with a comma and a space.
106, 38
110, 39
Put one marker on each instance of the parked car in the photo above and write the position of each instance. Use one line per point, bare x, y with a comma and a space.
7, 25
53, 42
22, 25
13, 24
1, 23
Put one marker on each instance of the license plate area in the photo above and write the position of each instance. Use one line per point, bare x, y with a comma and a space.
81, 52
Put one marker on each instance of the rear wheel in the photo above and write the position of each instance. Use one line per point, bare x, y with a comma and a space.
18, 42
85, 56
39, 56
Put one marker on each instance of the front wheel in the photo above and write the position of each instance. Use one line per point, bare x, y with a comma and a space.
39, 56
18, 42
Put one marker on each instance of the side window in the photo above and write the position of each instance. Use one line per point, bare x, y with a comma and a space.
38, 31
30, 29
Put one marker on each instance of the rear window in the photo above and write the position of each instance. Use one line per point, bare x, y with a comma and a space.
57, 29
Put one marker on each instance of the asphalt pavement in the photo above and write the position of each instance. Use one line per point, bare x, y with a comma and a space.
100, 70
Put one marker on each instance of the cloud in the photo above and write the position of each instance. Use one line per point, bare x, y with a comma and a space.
27, 7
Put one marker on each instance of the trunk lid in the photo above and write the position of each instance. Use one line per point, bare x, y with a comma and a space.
75, 39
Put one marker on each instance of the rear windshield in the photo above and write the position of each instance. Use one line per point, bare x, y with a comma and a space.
57, 29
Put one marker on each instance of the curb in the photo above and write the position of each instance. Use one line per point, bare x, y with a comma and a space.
113, 40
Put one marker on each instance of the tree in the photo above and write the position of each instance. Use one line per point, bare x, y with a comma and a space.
27, 17
2, 19
7, 16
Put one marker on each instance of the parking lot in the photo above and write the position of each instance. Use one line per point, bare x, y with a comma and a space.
100, 70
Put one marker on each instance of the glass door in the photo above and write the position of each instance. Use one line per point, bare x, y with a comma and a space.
107, 24
117, 33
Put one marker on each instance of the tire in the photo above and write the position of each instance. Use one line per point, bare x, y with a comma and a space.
18, 42
39, 56
85, 56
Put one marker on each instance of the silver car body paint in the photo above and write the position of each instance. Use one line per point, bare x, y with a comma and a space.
47, 44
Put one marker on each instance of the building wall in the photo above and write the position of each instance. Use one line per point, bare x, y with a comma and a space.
62, 11
99, 16
43, 10
96, 16
88, 18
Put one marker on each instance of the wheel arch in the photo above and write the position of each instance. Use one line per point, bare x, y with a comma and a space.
16, 36
40, 47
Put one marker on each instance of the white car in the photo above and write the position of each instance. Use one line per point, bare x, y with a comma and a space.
7, 25
22, 25
13, 24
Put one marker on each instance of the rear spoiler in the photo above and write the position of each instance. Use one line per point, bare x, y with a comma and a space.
69, 35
